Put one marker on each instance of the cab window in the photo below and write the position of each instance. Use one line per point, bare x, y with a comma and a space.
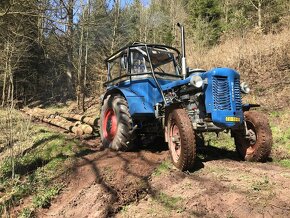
118, 67
139, 61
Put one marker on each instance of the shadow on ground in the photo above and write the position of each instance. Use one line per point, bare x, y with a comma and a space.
124, 177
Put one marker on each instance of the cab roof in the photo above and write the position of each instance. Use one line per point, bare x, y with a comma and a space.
137, 44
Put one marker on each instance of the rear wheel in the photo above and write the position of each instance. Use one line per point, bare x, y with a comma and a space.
257, 145
116, 123
181, 139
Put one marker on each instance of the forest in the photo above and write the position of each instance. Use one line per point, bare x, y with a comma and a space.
54, 50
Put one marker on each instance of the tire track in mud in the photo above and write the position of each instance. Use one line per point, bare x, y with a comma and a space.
101, 183
222, 188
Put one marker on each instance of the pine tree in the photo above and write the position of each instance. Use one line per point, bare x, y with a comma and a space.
205, 19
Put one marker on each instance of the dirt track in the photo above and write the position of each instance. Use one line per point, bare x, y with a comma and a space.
106, 183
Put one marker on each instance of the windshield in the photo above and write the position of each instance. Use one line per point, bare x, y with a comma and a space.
163, 60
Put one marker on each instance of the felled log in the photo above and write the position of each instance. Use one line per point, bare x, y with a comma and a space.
55, 120
35, 112
63, 123
85, 119
87, 129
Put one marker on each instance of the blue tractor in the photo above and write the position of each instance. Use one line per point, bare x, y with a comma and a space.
151, 93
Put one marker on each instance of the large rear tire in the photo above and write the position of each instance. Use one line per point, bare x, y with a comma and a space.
257, 147
116, 126
181, 139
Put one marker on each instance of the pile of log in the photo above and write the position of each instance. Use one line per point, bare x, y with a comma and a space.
75, 123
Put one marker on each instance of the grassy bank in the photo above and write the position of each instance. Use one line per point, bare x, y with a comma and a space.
33, 164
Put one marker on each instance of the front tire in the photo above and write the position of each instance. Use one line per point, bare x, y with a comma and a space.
257, 147
116, 126
181, 139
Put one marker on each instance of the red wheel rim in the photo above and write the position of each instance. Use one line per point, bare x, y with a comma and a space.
174, 142
109, 124
249, 149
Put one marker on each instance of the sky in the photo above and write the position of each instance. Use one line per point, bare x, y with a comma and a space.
125, 2
111, 2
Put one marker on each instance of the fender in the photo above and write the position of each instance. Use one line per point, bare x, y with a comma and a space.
137, 103
247, 107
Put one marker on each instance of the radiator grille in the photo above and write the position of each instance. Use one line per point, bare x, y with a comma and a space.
238, 98
221, 93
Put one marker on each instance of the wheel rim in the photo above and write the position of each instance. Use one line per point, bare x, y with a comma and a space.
252, 140
174, 142
248, 146
109, 125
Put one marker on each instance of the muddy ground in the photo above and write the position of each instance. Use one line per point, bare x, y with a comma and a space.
143, 183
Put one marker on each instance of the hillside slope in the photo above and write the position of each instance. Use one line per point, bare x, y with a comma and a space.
262, 60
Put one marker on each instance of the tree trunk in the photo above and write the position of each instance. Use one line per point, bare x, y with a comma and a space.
4, 94
226, 11
11, 97
69, 46
260, 15
79, 90
116, 23
258, 7
84, 84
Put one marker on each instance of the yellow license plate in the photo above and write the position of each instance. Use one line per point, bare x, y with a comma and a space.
233, 119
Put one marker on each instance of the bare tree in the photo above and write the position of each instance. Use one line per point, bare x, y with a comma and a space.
69, 39
79, 86
116, 24
257, 4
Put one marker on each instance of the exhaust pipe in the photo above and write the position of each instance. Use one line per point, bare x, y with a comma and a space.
183, 60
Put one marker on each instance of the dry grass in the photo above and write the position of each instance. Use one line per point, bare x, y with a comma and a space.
15, 133
262, 60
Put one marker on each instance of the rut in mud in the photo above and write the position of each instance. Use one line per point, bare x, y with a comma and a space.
106, 183
103, 182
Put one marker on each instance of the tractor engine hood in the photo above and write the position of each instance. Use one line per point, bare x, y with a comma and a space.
178, 83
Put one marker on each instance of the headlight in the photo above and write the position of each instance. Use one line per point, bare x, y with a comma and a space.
245, 88
196, 81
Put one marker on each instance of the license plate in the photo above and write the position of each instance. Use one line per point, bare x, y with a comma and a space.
233, 119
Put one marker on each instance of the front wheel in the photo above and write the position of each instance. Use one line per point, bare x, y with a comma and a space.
181, 139
257, 144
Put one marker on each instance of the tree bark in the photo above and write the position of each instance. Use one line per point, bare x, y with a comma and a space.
69, 46
258, 7
260, 15
4, 94
86, 50
116, 23
79, 86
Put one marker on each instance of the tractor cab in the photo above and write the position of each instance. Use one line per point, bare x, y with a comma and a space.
139, 61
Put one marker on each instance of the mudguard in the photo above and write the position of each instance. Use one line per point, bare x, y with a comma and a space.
141, 95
